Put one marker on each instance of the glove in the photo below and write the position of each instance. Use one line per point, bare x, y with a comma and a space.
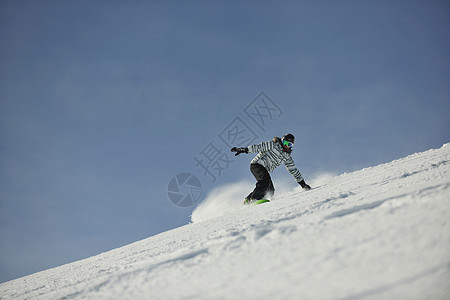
304, 185
239, 150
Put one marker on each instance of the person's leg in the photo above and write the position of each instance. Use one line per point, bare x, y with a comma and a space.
264, 183
270, 190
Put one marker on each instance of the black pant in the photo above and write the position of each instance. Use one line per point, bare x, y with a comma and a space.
264, 185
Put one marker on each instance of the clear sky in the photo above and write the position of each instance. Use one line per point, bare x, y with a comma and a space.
103, 102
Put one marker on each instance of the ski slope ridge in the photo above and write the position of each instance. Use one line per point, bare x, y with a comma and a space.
379, 233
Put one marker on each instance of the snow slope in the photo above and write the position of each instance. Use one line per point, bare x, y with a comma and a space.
378, 233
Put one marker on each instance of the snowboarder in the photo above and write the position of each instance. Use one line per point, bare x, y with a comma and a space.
271, 154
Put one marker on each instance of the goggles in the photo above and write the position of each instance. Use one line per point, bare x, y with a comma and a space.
288, 144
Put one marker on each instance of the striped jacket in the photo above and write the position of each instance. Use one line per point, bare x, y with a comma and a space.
272, 154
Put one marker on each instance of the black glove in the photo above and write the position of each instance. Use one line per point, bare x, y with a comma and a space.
304, 185
239, 150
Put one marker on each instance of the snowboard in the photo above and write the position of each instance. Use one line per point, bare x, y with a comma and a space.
261, 201
256, 202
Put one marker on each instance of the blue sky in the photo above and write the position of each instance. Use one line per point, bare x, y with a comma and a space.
103, 102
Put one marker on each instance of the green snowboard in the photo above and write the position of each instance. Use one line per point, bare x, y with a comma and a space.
261, 201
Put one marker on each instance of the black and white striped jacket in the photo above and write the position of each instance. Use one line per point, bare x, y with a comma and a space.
272, 154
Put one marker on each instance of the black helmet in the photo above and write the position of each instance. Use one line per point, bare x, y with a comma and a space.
288, 141
289, 137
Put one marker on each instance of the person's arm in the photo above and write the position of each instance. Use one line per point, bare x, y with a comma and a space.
290, 166
261, 147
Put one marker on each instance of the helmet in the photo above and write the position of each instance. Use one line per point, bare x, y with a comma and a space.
289, 137
288, 141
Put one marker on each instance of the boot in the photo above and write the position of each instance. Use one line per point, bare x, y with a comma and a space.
247, 201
